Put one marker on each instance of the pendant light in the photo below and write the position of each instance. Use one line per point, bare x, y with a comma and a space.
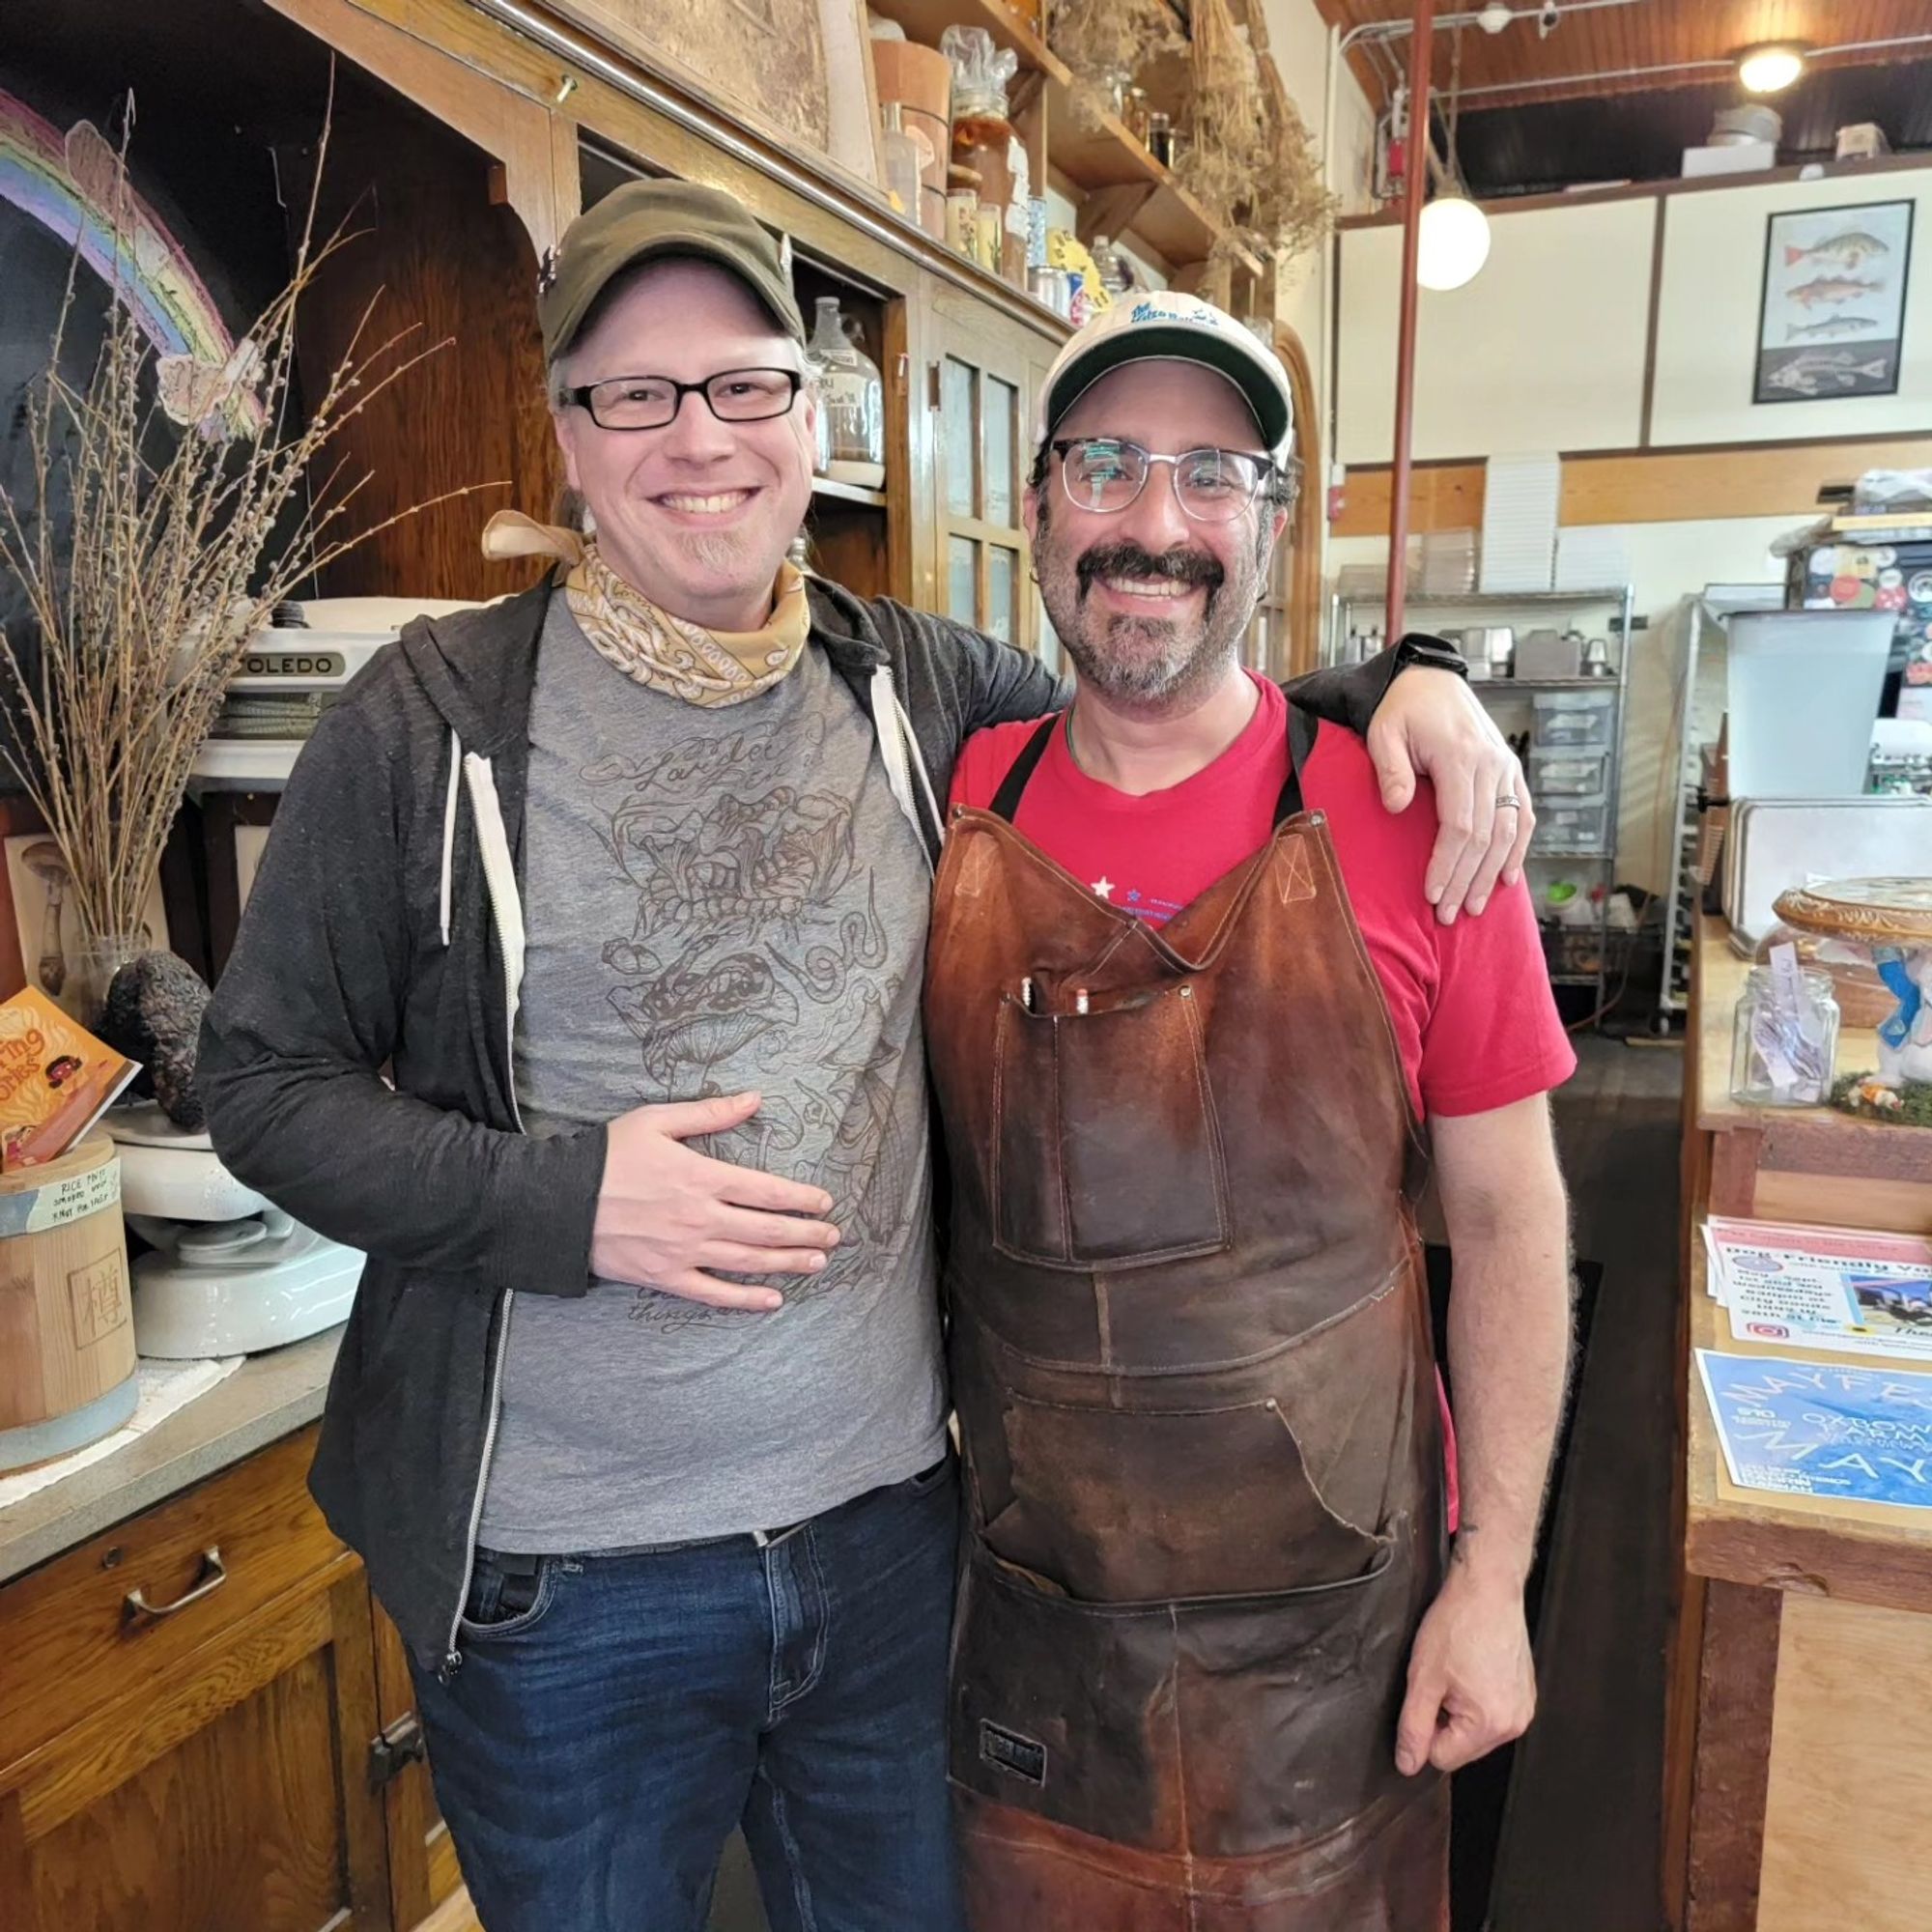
1453, 241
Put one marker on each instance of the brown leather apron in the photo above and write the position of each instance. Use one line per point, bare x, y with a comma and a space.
1196, 1391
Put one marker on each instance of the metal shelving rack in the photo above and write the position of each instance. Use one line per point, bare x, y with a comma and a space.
1704, 617
1496, 605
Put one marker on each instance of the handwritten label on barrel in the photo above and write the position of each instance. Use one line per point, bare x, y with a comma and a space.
60, 1202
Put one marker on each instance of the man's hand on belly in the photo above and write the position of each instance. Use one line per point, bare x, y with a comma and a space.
666, 1214
1471, 1679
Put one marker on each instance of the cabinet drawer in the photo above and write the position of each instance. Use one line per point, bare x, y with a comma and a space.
70, 1640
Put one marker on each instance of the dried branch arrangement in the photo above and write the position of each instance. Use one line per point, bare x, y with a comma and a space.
149, 555
1251, 162
1105, 43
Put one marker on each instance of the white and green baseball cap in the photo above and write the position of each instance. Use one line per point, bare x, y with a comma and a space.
1162, 326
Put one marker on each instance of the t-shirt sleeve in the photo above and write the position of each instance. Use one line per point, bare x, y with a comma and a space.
982, 762
1494, 1035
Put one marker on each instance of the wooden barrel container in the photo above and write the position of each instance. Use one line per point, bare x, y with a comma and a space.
66, 1325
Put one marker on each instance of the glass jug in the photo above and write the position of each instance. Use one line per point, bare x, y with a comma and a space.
851, 403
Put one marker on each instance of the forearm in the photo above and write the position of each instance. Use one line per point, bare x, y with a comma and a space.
402, 1180
1509, 1353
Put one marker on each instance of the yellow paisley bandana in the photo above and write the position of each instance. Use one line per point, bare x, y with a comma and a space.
669, 654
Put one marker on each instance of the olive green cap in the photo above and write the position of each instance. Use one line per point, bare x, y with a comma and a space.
643, 221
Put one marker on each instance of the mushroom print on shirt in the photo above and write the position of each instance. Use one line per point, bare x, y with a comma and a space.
717, 900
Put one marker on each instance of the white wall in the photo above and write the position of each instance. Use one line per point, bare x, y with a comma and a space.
1546, 348
1708, 319
1543, 350
1298, 43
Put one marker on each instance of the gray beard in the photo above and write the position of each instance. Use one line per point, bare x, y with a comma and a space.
1161, 673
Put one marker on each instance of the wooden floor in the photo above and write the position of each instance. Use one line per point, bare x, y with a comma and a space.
1580, 1844
1580, 1847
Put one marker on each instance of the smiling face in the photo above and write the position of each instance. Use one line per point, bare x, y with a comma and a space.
695, 515
1149, 603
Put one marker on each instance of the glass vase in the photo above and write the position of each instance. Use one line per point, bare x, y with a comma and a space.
96, 960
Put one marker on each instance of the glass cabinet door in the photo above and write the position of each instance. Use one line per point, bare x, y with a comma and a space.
979, 447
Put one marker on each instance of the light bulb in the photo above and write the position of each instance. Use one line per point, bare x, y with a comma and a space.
1453, 243
1768, 69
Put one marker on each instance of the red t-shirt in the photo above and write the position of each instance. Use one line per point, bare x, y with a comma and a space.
1475, 1021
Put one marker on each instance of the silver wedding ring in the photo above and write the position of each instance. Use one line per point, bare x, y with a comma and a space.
1509, 802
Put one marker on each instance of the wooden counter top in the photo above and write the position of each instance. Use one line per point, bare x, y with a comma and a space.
1793, 1163
1806, 1164
269, 1396
1868, 1552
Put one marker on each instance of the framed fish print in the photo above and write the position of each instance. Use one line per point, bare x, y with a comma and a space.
1833, 311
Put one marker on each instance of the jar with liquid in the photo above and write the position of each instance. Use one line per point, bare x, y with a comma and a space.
983, 140
851, 403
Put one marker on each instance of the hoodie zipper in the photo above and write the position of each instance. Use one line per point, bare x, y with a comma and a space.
500, 883
897, 751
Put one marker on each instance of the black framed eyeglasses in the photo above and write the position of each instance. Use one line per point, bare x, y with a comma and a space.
1105, 473
650, 402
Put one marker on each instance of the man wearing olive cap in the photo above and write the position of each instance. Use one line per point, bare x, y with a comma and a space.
639, 1422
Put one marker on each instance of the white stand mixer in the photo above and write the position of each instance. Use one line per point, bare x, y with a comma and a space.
230, 1274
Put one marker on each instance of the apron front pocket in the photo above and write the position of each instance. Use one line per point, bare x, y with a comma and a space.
1106, 1143
1122, 1505
1224, 1727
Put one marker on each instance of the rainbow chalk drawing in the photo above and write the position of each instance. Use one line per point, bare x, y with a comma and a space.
73, 187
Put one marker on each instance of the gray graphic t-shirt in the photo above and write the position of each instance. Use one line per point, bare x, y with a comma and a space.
719, 900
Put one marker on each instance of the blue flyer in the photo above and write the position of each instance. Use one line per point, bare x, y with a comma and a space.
1816, 1429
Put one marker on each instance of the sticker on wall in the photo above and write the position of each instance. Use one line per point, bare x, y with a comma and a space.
1832, 314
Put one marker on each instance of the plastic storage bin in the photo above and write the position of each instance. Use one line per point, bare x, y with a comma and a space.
1569, 718
1567, 773
1565, 826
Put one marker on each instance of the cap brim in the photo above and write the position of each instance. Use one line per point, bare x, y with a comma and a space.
1156, 342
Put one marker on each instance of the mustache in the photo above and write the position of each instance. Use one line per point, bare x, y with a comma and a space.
1126, 558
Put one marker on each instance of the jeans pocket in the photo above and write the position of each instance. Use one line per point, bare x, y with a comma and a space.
504, 1602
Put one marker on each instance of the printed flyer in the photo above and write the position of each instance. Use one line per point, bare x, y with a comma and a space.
1823, 1429
1846, 1289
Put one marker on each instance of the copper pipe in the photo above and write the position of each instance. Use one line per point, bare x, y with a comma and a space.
1419, 49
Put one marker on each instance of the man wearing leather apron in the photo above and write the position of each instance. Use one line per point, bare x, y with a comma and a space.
1188, 1008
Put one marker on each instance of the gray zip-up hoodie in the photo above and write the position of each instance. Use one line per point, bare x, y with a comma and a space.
385, 930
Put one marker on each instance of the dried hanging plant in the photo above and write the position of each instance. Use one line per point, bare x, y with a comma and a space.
178, 544
1251, 162
1105, 43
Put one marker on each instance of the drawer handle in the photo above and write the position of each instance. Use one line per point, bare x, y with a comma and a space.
213, 1573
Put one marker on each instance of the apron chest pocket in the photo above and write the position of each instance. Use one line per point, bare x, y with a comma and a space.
1106, 1145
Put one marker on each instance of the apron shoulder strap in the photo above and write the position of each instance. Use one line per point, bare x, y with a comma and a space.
1302, 727
1006, 800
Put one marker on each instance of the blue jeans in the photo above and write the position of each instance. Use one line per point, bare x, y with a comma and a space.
615, 1715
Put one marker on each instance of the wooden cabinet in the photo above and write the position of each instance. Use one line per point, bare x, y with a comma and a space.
190, 1727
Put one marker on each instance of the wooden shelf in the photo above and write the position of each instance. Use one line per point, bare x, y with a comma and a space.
925, 21
849, 492
1131, 196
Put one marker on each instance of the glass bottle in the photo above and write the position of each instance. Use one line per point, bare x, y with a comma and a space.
901, 155
1109, 267
851, 403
